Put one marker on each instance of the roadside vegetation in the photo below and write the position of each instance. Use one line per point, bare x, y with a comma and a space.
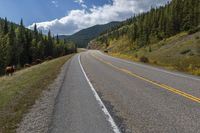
19, 92
168, 36
180, 52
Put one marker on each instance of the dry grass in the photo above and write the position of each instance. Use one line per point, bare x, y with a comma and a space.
81, 50
180, 52
19, 92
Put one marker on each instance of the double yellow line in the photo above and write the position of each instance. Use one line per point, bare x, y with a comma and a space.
181, 93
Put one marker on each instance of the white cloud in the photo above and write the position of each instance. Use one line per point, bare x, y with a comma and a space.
55, 3
81, 3
79, 19
84, 6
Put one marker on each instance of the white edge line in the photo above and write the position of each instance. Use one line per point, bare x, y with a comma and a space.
153, 68
104, 109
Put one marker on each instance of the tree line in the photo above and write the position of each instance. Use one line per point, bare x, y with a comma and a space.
157, 24
20, 46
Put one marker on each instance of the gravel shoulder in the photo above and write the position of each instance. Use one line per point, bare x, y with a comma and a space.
38, 119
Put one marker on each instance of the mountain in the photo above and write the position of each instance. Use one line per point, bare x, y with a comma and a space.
83, 37
168, 36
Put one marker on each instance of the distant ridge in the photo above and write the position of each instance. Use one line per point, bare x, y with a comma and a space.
83, 37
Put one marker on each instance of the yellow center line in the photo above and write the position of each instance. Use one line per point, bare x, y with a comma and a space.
177, 91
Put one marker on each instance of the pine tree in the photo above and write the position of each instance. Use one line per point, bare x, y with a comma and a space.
5, 26
11, 48
35, 32
50, 44
57, 39
21, 44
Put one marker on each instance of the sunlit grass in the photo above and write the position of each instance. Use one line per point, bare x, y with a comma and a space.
180, 52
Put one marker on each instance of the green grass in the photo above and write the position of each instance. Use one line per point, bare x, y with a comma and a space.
19, 92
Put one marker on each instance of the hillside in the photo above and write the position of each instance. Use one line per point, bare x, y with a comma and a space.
83, 37
166, 36
180, 52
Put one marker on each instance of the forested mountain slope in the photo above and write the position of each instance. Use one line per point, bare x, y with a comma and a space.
19, 45
166, 35
83, 37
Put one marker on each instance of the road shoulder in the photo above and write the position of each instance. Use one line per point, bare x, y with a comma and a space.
39, 116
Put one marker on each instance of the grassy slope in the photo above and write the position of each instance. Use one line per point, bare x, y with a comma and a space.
180, 52
19, 92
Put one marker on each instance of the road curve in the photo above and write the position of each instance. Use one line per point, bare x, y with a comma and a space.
140, 98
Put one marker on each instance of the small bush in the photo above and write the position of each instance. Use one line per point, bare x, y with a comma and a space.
197, 37
193, 30
150, 50
105, 51
155, 62
144, 59
162, 43
185, 51
191, 54
136, 56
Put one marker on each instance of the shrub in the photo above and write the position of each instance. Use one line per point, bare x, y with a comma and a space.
197, 37
185, 51
150, 50
155, 62
193, 30
136, 56
144, 59
49, 58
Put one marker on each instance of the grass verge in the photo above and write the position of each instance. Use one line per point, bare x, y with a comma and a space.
19, 92
174, 64
81, 50
180, 52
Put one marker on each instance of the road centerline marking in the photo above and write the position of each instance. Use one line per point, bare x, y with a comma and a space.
97, 97
150, 67
171, 89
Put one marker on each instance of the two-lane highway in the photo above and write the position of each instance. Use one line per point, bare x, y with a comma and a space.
138, 98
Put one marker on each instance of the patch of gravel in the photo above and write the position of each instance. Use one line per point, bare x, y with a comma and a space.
38, 119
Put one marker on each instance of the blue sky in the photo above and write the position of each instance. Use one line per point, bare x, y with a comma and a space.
70, 16
40, 10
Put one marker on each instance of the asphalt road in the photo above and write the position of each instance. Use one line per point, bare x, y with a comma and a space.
136, 98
